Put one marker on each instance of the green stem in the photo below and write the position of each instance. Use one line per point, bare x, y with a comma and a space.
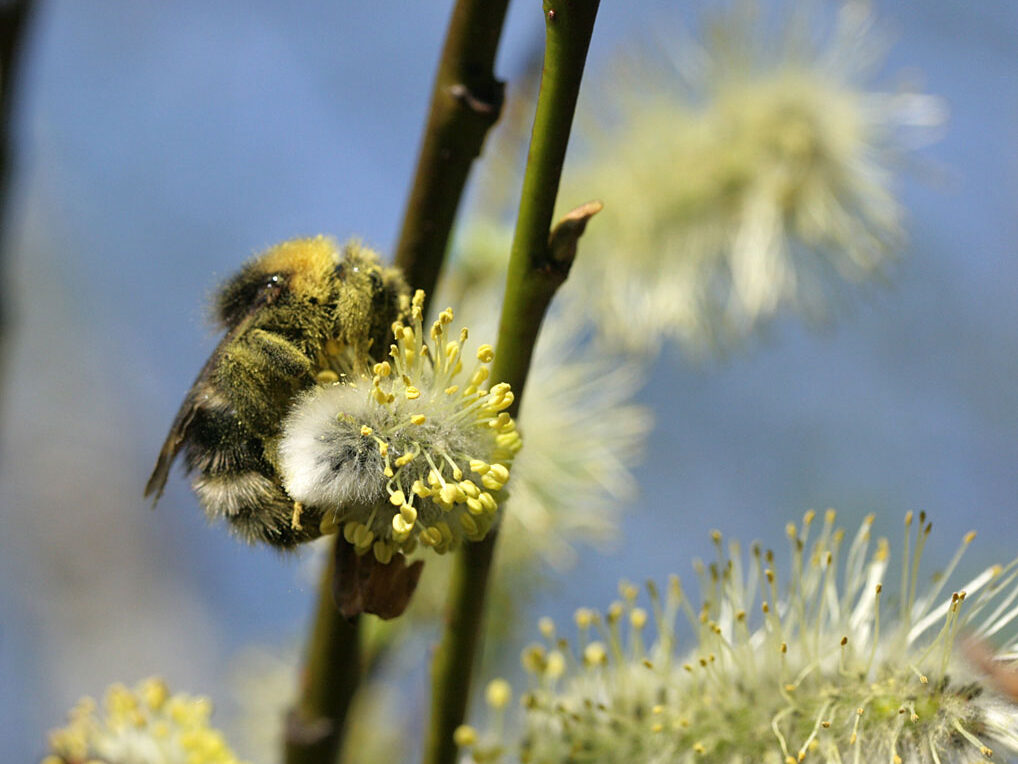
465, 103
536, 270
315, 726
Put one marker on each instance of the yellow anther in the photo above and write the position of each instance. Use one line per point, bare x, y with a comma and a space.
418, 418
407, 334
583, 617
383, 369
555, 665
638, 618
488, 501
501, 421
329, 524
405, 459
474, 506
396, 498
595, 654
510, 441
449, 494
503, 401
155, 693
478, 467
464, 736
365, 430
485, 354
400, 527
469, 488
326, 377
469, 525
408, 513
383, 552
547, 627
419, 489
452, 389
492, 483
498, 693
412, 393
363, 537
500, 389
533, 659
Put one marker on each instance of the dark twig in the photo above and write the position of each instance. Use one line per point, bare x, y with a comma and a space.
465, 103
13, 23
314, 727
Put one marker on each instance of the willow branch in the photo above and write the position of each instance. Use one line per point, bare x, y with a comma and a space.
13, 23
465, 103
315, 725
538, 265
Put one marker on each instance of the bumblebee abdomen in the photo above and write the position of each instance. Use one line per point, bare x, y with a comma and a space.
218, 442
234, 480
256, 507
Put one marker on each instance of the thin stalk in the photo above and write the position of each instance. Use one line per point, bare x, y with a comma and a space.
465, 103
14, 17
538, 265
315, 726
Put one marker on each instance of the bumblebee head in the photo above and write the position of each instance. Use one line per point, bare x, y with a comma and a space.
301, 282
294, 272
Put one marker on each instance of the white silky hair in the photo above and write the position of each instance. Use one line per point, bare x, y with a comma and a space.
325, 460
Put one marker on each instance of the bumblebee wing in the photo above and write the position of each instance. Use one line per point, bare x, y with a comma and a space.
178, 430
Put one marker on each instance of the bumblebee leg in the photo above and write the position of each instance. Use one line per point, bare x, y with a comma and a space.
260, 374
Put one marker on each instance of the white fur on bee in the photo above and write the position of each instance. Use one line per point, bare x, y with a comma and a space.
325, 459
230, 494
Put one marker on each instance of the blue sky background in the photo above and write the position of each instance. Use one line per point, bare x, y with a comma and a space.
163, 143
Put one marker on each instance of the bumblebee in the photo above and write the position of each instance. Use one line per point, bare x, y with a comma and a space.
283, 312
